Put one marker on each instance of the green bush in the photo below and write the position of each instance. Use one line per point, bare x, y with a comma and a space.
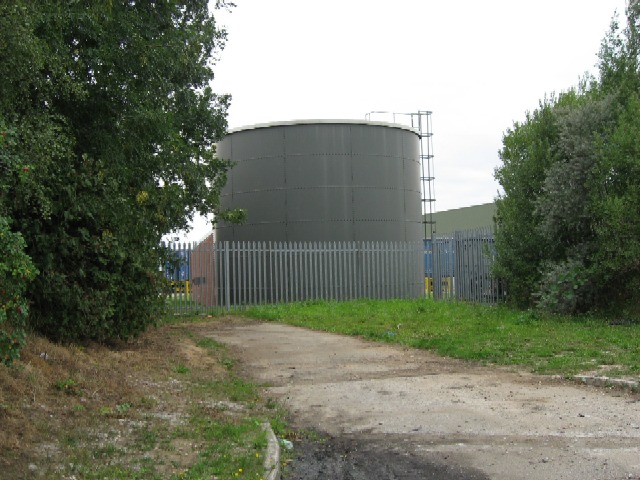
16, 271
565, 287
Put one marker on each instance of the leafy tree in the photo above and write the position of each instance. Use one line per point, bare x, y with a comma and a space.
16, 268
529, 149
568, 222
115, 131
565, 206
616, 199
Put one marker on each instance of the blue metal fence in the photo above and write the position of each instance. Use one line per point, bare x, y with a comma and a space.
461, 267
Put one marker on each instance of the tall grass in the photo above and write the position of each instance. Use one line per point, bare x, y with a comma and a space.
492, 334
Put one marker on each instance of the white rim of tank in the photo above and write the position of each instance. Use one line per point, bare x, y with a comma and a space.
323, 122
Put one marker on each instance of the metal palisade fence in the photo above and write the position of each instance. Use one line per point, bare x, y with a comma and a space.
462, 267
219, 276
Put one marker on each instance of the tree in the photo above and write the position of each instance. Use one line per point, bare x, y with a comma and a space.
568, 220
529, 149
116, 128
616, 199
16, 268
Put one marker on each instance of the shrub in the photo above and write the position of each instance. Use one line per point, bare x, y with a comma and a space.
16, 271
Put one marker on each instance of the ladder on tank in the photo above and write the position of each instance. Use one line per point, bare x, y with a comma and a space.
421, 122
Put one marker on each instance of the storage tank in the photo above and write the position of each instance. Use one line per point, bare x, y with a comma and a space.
317, 180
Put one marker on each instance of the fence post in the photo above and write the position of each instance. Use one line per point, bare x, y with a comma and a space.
227, 279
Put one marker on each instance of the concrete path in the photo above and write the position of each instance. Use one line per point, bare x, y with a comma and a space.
450, 415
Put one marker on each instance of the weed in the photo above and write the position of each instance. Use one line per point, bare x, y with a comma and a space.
146, 402
146, 439
209, 344
181, 369
227, 362
107, 451
123, 407
106, 410
68, 386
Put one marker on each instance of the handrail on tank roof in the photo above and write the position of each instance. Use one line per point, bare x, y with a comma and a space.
415, 118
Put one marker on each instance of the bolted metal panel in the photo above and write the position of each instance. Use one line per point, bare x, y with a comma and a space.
319, 170
378, 205
386, 231
412, 207
319, 231
303, 139
331, 204
271, 176
323, 180
263, 206
381, 172
376, 140
257, 143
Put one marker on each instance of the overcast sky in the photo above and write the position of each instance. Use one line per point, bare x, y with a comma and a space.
477, 65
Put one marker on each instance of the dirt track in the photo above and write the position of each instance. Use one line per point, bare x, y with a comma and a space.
394, 413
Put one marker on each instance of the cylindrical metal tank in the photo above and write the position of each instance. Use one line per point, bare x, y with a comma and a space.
318, 180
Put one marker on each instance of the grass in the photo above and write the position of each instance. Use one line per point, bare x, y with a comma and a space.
168, 405
541, 343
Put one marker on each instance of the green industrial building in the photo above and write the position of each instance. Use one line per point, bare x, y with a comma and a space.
465, 218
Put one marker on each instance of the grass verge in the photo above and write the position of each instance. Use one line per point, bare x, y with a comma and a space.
542, 343
168, 405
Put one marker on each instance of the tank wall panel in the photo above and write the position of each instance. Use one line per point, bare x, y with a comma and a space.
331, 204
411, 173
320, 231
223, 150
246, 176
377, 140
313, 139
411, 149
384, 172
380, 231
412, 201
275, 232
307, 170
262, 206
378, 205
259, 143
414, 229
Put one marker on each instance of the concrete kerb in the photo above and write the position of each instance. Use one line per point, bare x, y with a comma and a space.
599, 381
272, 456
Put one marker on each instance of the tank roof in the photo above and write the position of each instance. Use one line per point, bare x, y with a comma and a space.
323, 122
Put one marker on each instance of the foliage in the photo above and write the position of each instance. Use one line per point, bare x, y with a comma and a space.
16, 268
16, 271
569, 216
115, 129
529, 149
